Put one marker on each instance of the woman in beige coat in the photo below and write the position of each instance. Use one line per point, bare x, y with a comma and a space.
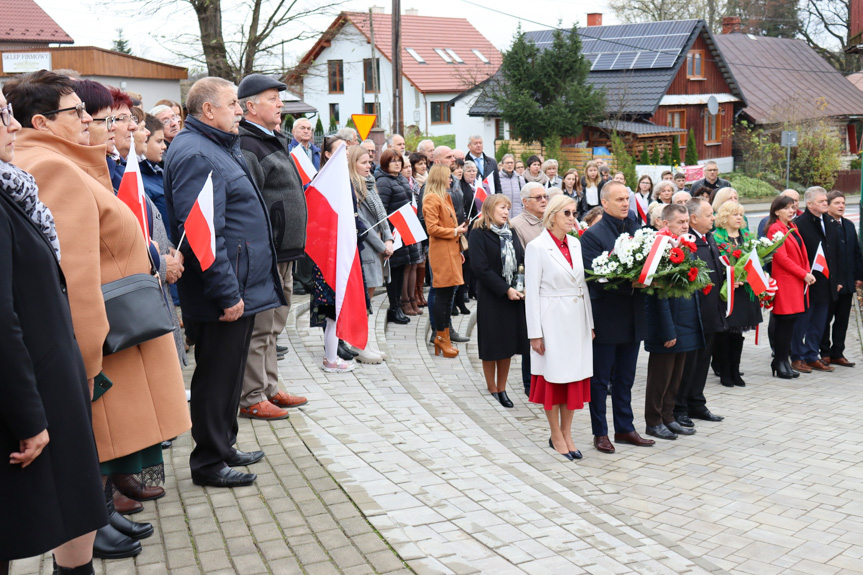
101, 242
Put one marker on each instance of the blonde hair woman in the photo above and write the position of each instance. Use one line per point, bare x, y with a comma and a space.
559, 324
591, 183
444, 252
495, 261
724, 195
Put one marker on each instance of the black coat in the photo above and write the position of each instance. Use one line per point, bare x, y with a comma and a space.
619, 313
849, 257
674, 318
712, 306
824, 289
43, 385
501, 322
395, 192
245, 266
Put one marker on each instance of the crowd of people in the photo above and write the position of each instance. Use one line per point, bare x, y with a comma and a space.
85, 425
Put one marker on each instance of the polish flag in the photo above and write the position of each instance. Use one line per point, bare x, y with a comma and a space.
758, 280
132, 192
199, 227
489, 181
408, 225
653, 259
304, 165
819, 264
331, 242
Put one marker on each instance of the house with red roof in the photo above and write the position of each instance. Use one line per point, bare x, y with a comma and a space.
441, 58
26, 25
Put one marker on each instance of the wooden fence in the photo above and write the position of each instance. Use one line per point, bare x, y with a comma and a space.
575, 157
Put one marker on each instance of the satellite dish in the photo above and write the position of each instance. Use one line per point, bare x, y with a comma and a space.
712, 105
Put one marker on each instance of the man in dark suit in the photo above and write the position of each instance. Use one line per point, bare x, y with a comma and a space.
849, 273
620, 327
485, 164
817, 230
690, 395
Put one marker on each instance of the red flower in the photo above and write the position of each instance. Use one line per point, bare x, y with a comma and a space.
689, 245
736, 253
676, 255
723, 246
581, 232
707, 289
693, 274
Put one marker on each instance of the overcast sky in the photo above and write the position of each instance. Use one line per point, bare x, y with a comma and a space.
92, 23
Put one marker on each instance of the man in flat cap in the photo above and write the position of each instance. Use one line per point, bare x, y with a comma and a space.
274, 172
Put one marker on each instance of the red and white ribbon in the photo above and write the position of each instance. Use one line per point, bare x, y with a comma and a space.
657, 250
729, 292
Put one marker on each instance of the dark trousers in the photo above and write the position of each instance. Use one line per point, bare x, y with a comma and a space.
783, 336
394, 288
221, 349
525, 370
440, 303
664, 372
838, 314
613, 364
690, 394
808, 330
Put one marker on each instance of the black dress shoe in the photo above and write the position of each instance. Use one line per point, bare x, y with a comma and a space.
660, 431
568, 455
397, 316
527, 389
281, 348
241, 458
456, 336
675, 427
504, 399
684, 420
111, 544
225, 477
576, 454
130, 528
705, 415
345, 352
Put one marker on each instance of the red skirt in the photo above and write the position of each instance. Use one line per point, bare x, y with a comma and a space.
574, 395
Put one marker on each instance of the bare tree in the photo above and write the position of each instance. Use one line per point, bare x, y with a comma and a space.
264, 27
659, 10
825, 25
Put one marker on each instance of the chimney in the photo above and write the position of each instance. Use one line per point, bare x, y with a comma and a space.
730, 24
377, 10
594, 19
412, 12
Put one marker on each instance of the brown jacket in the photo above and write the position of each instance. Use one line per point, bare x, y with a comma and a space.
100, 241
444, 252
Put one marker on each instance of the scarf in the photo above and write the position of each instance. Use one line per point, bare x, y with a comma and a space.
507, 252
21, 187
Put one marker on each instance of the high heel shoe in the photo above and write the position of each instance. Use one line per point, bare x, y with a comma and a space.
576, 454
780, 370
442, 344
504, 399
567, 455
462, 308
793, 373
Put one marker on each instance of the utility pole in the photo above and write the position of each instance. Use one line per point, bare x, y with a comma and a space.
398, 109
376, 84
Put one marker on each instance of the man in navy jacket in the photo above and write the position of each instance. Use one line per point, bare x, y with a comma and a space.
619, 326
243, 280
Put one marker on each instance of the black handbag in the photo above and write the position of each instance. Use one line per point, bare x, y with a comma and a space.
137, 312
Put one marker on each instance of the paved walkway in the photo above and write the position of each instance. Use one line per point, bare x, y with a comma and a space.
408, 465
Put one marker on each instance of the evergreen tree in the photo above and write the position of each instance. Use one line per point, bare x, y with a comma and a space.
625, 162
333, 125
666, 157
319, 126
691, 151
545, 93
121, 44
675, 151
645, 157
654, 159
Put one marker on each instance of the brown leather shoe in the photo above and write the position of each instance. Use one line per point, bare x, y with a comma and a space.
818, 366
632, 438
825, 360
263, 410
131, 487
125, 505
284, 399
842, 361
800, 365
603, 444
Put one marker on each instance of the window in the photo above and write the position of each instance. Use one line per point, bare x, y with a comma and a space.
454, 56
479, 55
416, 56
443, 55
336, 75
368, 78
370, 108
677, 118
499, 129
695, 64
712, 128
440, 113
334, 113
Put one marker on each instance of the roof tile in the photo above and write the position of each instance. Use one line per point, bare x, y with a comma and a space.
25, 21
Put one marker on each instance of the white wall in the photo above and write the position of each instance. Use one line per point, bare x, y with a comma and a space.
466, 126
151, 90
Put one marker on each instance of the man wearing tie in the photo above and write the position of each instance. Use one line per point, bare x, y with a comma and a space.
485, 165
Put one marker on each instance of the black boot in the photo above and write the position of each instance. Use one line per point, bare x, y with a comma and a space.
735, 350
86, 569
722, 360
111, 543
397, 316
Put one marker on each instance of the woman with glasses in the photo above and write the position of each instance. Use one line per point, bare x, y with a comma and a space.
101, 242
559, 324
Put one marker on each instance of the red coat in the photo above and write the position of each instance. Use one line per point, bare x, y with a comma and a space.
790, 266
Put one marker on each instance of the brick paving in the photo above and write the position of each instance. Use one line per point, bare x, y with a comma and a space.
409, 466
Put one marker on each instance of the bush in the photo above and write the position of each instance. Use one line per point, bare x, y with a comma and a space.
333, 125
675, 151
524, 157
750, 187
447, 140
551, 150
691, 150
502, 150
815, 160
666, 157
288, 124
857, 162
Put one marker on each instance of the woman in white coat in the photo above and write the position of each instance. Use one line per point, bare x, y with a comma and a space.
559, 324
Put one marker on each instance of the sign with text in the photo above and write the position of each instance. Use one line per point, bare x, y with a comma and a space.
22, 62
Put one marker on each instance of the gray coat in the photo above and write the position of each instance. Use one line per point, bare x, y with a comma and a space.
372, 211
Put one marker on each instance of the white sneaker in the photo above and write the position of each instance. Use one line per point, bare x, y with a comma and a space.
340, 366
369, 356
369, 349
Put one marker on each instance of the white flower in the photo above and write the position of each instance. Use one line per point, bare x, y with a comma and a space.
777, 236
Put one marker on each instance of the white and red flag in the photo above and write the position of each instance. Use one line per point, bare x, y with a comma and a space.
758, 280
489, 182
199, 228
819, 264
331, 242
131, 192
406, 222
653, 259
304, 165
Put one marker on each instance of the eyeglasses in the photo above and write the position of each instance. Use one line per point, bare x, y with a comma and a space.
109, 121
79, 109
540, 198
569, 213
6, 115
123, 118
168, 121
